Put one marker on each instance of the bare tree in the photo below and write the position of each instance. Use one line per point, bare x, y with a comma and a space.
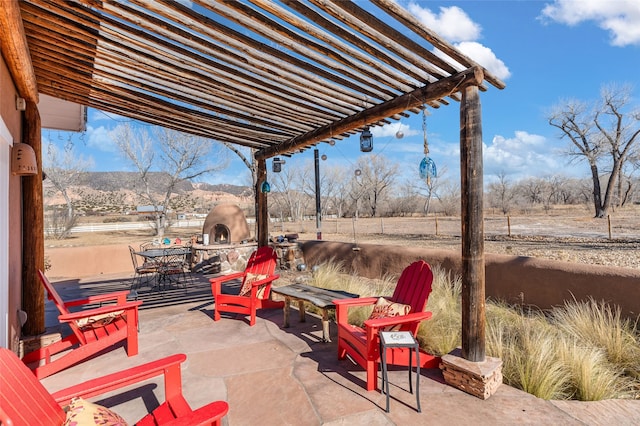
449, 197
377, 175
332, 179
603, 135
501, 193
333, 188
288, 193
179, 156
63, 169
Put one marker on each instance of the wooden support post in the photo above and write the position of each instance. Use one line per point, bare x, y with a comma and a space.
261, 204
33, 229
473, 292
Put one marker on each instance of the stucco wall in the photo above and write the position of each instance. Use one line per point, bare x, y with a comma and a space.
515, 279
115, 259
12, 209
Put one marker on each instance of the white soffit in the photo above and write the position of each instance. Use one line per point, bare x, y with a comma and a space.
59, 114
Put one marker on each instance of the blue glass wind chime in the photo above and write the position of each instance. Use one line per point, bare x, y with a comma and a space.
427, 165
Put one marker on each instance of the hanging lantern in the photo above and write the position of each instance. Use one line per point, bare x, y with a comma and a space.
265, 188
332, 142
366, 140
399, 134
358, 172
276, 166
324, 157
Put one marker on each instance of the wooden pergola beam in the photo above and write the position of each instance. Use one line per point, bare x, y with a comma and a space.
439, 89
16, 52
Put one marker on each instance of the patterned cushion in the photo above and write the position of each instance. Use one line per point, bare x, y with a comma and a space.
81, 413
385, 309
97, 321
250, 279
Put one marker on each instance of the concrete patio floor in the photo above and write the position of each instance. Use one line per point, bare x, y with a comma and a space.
275, 376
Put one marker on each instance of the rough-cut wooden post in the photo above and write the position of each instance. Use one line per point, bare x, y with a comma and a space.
473, 296
261, 204
468, 368
33, 229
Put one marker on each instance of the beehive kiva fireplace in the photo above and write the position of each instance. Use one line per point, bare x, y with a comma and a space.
226, 224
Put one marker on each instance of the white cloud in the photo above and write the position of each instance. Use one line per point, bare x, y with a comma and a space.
620, 17
392, 130
451, 23
457, 27
100, 138
485, 57
521, 156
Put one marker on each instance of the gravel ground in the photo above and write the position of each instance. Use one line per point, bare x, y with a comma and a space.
619, 252
565, 235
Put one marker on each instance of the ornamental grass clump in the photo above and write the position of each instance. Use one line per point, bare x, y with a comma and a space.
600, 325
592, 378
441, 334
527, 345
583, 350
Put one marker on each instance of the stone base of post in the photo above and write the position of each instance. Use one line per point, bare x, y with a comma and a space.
31, 343
480, 379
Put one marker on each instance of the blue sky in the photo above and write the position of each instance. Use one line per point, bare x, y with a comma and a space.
545, 51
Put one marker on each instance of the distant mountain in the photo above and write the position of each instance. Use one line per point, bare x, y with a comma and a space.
117, 192
117, 181
240, 191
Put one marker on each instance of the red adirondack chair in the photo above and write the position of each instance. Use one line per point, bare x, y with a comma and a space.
363, 344
255, 290
93, 330
25, 401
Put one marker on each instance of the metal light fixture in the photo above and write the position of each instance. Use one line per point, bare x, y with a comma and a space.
23, 160
366, 140
276, 166
265, 188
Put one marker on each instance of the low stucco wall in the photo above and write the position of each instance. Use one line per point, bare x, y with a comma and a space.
514, 279
115, 259
80, 262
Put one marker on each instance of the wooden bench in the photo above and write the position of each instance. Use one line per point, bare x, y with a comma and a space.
319, 297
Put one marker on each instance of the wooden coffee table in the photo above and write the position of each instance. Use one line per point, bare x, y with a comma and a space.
320, 297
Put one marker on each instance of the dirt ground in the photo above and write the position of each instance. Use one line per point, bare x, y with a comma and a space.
562, 235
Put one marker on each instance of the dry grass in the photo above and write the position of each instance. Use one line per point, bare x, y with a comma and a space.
582, 351
600, 325
444, 302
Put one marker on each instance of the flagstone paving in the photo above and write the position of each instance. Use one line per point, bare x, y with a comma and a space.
275, 376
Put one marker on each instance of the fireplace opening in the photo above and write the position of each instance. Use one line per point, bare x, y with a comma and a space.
221, 233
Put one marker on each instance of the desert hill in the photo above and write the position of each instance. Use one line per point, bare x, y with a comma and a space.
118, 192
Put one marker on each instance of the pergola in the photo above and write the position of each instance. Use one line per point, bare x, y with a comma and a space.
275, 76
